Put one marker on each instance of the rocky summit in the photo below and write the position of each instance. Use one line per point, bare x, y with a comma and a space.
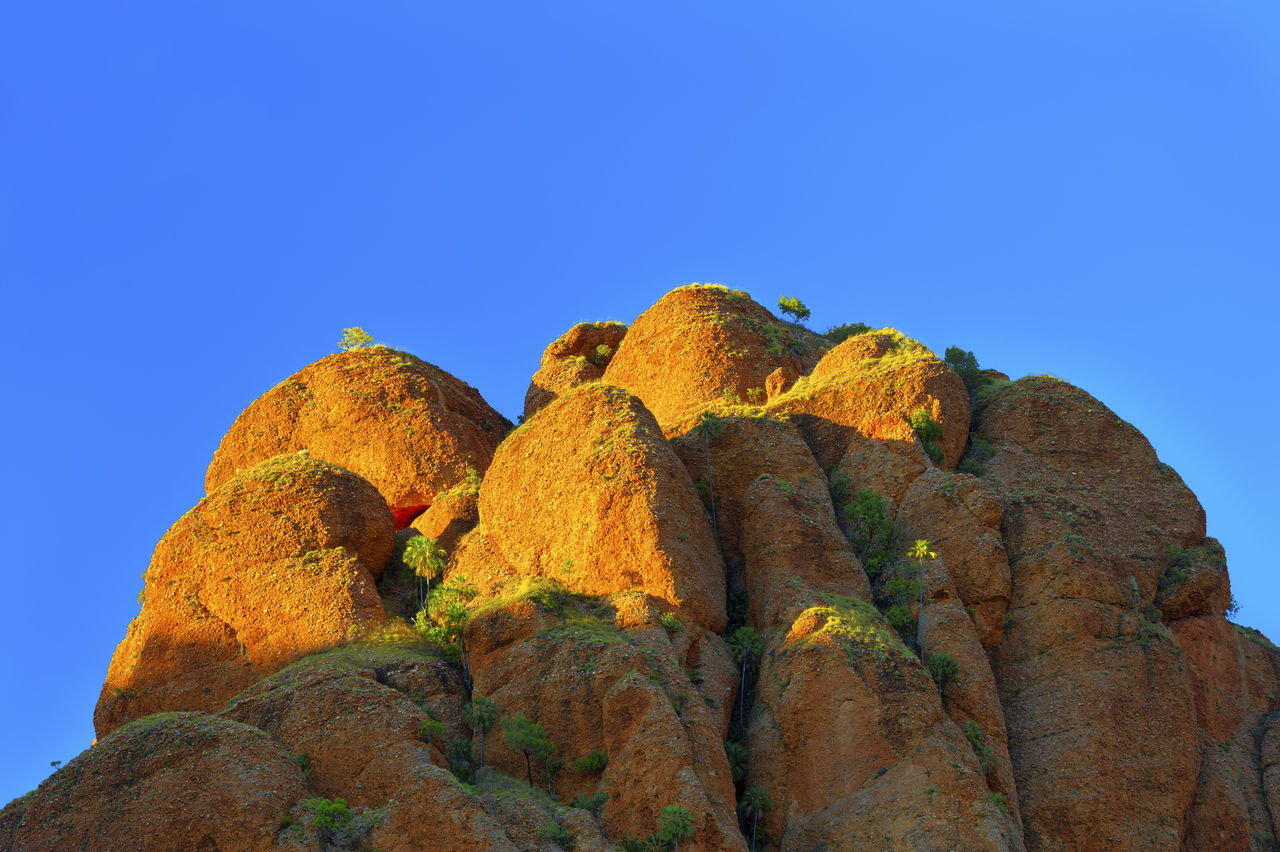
730, 585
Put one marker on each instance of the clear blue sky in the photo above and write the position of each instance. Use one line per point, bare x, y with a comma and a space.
195, 199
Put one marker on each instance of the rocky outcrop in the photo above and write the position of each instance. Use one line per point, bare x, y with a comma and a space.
405, 425
870, 385
1086, 671
358, 718
277, 563
702, 344
575, 358
587, 492
850, 738
606, 675
193, 782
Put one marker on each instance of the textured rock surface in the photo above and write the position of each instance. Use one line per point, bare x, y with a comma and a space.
1100, 699
588, 492
193, 782
405, 425
1083, 673
606, 675
574, 358
357, 718
277, 563
702, 344
871, 384
850, 738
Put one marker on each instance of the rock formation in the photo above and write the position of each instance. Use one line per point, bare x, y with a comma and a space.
730, 584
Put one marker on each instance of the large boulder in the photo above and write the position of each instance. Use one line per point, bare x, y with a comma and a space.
405, 425
587, 492
706, 343
607, 675
871, 384
576, 357
172, 781
850, 739
1086, 671
357, 715
735, 449
278, 562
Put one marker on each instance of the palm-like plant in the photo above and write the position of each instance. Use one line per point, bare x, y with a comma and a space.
920, 552
480, 713
745, 645
675, 824
710, 426
754, 802
427, 559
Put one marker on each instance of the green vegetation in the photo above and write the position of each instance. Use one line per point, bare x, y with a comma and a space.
602, 355
978, 742
856, 626
553, 831
755, 802
330, 815
354, 338
430, 729
942, 668
461, 760
1000, 800
977, 452
480, 713
867, 525
592, 763
840, 333
675, 824
709, 426
794, 308
593, 803
745, 645
929, 431
739, 758
528, 737
427, 559
920, 552
670, 621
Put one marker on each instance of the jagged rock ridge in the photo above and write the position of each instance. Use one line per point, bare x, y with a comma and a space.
688, 585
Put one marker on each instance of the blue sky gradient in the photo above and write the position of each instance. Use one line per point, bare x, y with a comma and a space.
196, 198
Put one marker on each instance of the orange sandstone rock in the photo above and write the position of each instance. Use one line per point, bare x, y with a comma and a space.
574, 358
277, 563
588, 492
871, 384
407, 426
705, 343
173, 781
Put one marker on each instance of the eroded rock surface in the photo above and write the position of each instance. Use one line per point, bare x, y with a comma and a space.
405, 425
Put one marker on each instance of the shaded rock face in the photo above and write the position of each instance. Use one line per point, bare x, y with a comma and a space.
870, 385
610, 506
607, 676
577, 357
277, 563
194, 782
357, 718
1088, 508
849, 737
405, 425
702, 344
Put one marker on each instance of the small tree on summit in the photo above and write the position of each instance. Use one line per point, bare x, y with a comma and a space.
794, 307
354, 338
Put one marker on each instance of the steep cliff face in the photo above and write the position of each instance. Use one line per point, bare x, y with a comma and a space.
728, 586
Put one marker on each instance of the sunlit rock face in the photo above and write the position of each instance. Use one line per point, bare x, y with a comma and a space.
725, 586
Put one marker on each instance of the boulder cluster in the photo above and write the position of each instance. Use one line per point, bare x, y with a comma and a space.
729, 585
